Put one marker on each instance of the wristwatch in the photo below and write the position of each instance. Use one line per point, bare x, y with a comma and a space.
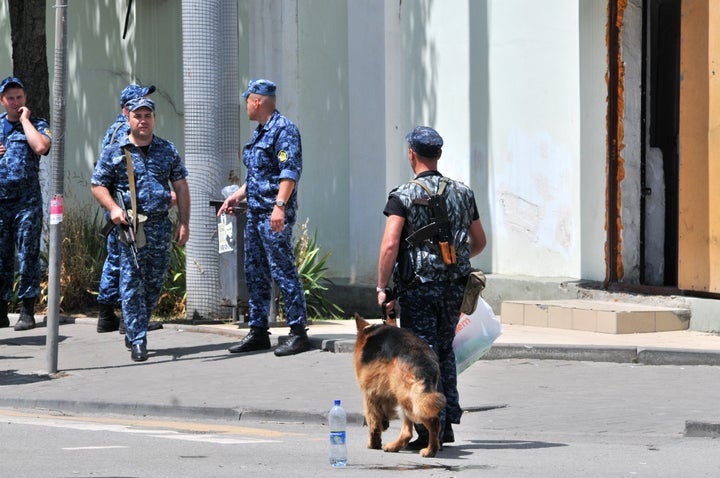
280, 203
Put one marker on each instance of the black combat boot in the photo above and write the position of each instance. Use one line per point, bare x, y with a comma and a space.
138, 352
257, 339
4, 321
107, 320
422, 440
448, 436
296, 343
27, 315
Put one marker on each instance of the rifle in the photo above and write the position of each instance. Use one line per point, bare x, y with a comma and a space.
438, 229
127, 230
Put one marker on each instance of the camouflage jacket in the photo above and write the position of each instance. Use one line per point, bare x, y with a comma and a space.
423, 263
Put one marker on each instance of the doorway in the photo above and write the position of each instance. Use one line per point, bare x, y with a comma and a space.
660, 155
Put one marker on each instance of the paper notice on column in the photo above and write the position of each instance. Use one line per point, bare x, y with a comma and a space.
225, 234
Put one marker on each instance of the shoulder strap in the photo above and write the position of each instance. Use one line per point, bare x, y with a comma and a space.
131, 182
441, 186
112, 137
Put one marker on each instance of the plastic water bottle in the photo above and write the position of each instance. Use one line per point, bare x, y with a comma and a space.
228, 191
337, 421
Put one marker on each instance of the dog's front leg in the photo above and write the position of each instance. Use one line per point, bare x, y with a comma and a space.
406, 433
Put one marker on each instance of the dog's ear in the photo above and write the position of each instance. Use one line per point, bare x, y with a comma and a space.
391, 321
360, 323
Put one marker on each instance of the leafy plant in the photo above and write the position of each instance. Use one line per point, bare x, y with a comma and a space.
83, 255
173, 298
312, 268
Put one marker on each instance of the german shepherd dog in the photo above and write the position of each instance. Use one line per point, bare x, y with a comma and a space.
395, 367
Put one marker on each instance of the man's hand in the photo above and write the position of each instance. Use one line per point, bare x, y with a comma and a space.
232, 201
277, 219
182, 234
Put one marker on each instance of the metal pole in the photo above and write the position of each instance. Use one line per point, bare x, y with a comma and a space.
57, 187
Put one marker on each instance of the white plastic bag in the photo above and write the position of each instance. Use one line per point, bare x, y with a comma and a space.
475, 335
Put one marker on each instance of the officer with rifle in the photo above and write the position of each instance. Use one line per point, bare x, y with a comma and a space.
432, 230
132, 181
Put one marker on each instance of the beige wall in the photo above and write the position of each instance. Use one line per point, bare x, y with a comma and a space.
699, 232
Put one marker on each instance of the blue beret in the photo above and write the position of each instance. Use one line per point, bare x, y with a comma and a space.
134, 91
142, 102
425, 141
9, 81
260, 87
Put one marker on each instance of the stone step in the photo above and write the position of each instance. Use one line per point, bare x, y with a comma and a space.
594, 316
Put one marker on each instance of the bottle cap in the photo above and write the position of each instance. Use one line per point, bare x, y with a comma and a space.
337, 402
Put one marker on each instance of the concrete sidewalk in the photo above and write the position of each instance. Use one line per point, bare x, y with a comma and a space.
191, 374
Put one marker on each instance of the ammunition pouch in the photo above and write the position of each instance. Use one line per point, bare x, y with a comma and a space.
404, 274
473, 287
140, 240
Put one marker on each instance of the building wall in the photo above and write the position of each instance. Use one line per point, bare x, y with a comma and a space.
516, 88
593, 142
534, 131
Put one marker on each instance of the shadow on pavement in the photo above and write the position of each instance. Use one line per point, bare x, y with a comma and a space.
11, 377
511, 444
21, 340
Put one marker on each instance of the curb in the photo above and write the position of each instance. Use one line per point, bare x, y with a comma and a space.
702, 429
587, 353
596, 353
176, 411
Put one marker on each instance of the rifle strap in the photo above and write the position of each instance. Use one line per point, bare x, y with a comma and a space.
112, 137
131, 183
441, 186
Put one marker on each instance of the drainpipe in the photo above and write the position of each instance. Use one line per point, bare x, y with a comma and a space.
613, 257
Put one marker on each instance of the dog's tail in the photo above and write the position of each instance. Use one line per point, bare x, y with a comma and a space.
427, 404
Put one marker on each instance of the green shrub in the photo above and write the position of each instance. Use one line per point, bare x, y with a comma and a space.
312, 269
173, 297
83, 255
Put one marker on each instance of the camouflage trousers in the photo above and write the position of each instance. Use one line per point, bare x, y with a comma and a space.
109, 292
432, 311
140, 289
20, 228
269, 255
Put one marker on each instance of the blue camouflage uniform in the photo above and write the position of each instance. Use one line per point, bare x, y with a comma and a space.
110, 279
431, 292
273, 153
154, 172
20, 209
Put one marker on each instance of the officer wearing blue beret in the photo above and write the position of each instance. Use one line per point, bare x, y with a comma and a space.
23, 140
430, 275
273, 158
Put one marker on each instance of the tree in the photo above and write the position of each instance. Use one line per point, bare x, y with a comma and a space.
29, 52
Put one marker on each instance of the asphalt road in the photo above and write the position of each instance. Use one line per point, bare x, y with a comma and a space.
540, 418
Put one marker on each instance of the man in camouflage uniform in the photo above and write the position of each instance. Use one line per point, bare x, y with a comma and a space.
155, 165
109, 293
23, 140
273, 158
429, 287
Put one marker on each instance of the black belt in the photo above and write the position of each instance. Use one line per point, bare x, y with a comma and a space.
155, 216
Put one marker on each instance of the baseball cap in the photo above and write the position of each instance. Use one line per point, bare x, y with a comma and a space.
425, 141
9, 81
260, 87
142, 102
135, 91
